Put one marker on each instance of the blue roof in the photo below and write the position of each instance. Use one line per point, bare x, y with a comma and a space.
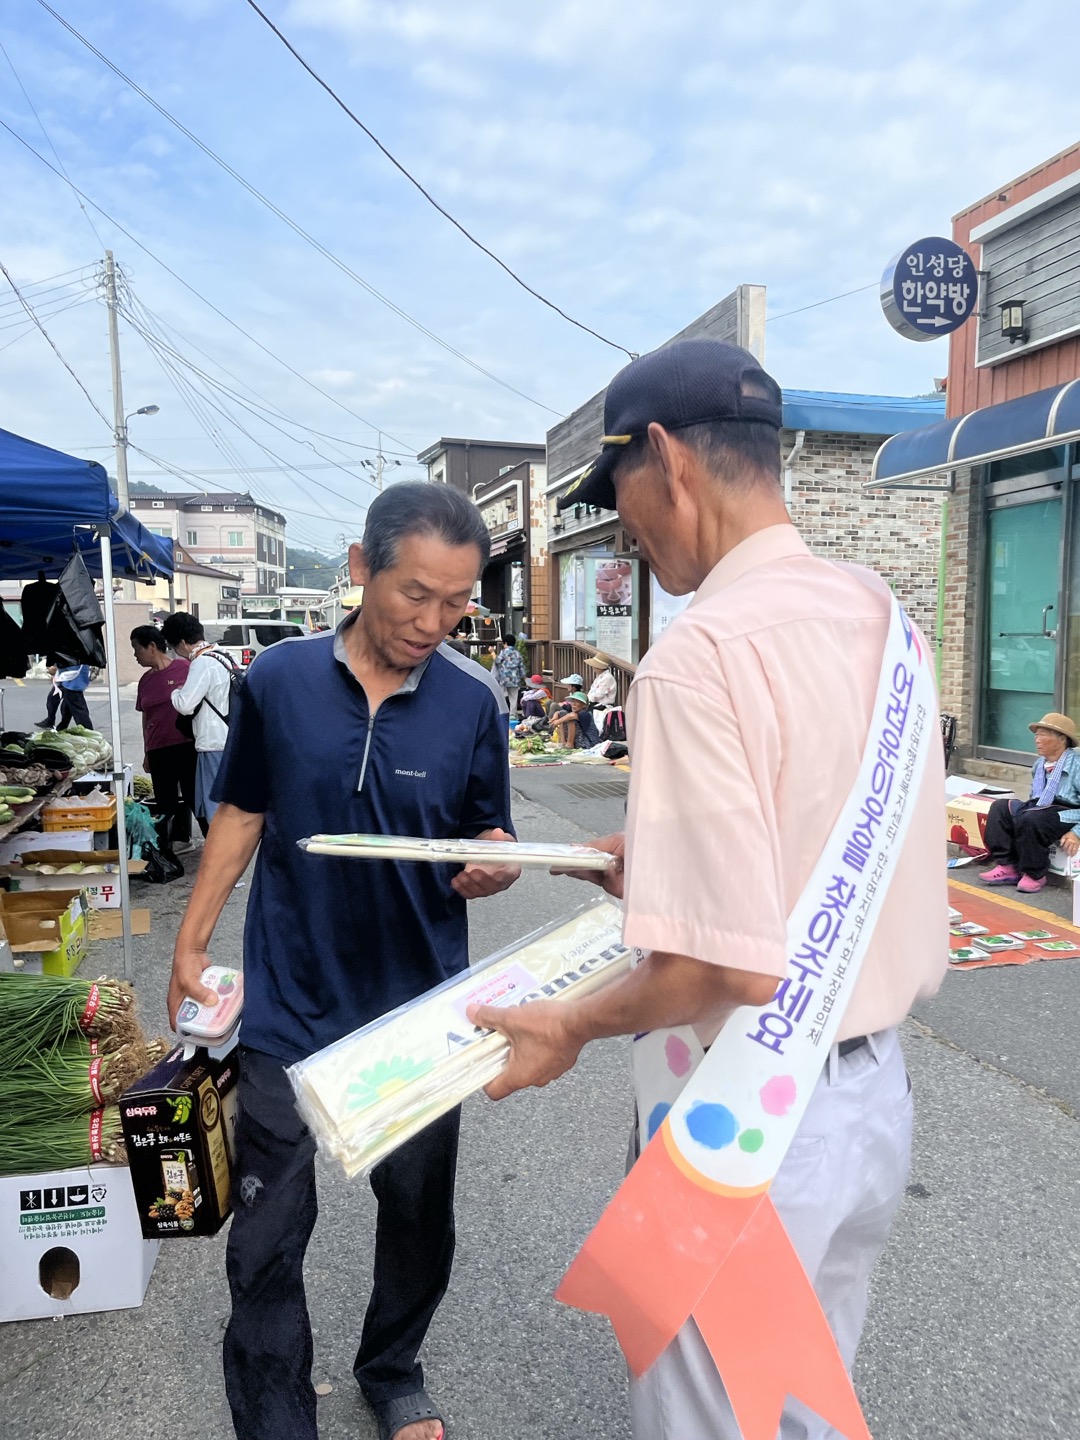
859, 414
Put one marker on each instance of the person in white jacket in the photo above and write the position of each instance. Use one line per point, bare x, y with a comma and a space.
602, 691
205, 696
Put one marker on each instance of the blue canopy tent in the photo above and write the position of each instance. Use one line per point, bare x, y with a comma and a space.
52, 504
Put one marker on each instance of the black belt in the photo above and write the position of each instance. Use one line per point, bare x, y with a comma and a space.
848, 1047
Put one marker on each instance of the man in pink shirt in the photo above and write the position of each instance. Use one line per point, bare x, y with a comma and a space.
747, 723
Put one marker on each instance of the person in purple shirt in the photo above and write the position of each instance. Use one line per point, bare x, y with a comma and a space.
168, 756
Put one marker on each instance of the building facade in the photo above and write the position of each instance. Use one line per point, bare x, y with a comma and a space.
231, 531
201, 590
469, 464
1007, 461
506, 586
600, 591
604, 595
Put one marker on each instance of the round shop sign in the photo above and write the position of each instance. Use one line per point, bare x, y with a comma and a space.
931, 288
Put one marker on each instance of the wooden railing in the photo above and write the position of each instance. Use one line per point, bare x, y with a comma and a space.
555, 658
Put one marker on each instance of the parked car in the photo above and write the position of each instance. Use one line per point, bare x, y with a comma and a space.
244, 639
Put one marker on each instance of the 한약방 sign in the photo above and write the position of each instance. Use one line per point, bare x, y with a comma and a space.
931, 288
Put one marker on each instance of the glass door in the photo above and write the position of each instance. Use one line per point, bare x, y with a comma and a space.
1023, 618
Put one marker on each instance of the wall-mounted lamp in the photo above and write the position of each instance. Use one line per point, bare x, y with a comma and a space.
1013, 328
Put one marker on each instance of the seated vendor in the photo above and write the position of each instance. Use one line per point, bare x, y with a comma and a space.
603, 689
534, 700
1020, 833
576, 730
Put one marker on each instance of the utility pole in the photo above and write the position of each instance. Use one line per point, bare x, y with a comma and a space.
119, 423
378, 465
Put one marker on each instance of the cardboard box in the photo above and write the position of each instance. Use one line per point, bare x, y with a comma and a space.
70, 1244
965, 820
109, 924
25, 841
99, 878
178, 1124
50, 923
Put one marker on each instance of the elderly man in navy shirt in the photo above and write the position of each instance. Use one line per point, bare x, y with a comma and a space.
377, 728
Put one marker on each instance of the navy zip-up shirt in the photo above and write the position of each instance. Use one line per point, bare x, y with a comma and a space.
330, 944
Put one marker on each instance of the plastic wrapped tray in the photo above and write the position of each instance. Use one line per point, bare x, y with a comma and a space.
372, 1090
460, 852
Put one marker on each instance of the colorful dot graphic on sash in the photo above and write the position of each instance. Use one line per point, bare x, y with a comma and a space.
751, 1141
778, 1095
713, 1126
677, 1055
656, 1118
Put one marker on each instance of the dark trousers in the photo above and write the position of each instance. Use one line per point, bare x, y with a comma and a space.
1020, 833
52, 704
172, 770
268, 1347
73, 706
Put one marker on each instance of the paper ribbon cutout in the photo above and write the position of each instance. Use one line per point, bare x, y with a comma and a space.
667, 1248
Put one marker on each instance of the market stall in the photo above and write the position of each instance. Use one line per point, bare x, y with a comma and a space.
53, 505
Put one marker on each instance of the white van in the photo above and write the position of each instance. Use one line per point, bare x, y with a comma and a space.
244, 639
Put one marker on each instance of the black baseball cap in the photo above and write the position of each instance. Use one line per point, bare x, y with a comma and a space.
688, 382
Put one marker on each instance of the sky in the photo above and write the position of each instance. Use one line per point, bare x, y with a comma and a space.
632, 161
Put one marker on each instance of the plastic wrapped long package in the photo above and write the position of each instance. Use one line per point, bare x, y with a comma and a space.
372, 1090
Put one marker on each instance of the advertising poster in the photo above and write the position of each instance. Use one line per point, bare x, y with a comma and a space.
614, 608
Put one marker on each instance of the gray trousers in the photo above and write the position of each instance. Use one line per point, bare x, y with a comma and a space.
837, 1192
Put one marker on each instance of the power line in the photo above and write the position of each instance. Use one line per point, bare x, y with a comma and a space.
29, 310
48, 141
843, 296
198, 294
157, 345
425, 193
57, 307
38, 295
190, 477
294, 225
268, 405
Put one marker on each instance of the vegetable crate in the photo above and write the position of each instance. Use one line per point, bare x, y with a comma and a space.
70, 1244
98, 818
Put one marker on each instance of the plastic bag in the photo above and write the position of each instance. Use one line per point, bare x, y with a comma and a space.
160, 866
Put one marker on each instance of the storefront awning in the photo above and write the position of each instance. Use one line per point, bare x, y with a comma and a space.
505, 543
914, 460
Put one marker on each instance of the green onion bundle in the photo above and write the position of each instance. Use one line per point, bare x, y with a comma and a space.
38, 1011
71, 1078
63, 1143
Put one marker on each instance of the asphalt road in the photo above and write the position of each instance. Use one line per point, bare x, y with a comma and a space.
976, 1303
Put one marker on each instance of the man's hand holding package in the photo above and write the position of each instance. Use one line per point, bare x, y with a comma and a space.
610, 880
542, 1044
474, 882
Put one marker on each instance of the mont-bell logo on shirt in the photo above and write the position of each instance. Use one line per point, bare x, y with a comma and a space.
412, 774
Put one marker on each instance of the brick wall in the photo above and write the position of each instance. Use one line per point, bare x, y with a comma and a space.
898, 533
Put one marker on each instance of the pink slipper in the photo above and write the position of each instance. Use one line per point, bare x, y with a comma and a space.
1029, 886
1000, 875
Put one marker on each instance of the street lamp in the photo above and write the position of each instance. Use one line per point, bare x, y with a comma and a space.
121, 439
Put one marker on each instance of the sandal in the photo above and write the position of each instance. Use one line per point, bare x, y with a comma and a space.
393, 1415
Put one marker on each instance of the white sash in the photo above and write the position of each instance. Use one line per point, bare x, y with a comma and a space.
734, 1111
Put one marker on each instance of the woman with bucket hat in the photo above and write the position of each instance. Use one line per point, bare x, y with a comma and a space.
1020, 833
